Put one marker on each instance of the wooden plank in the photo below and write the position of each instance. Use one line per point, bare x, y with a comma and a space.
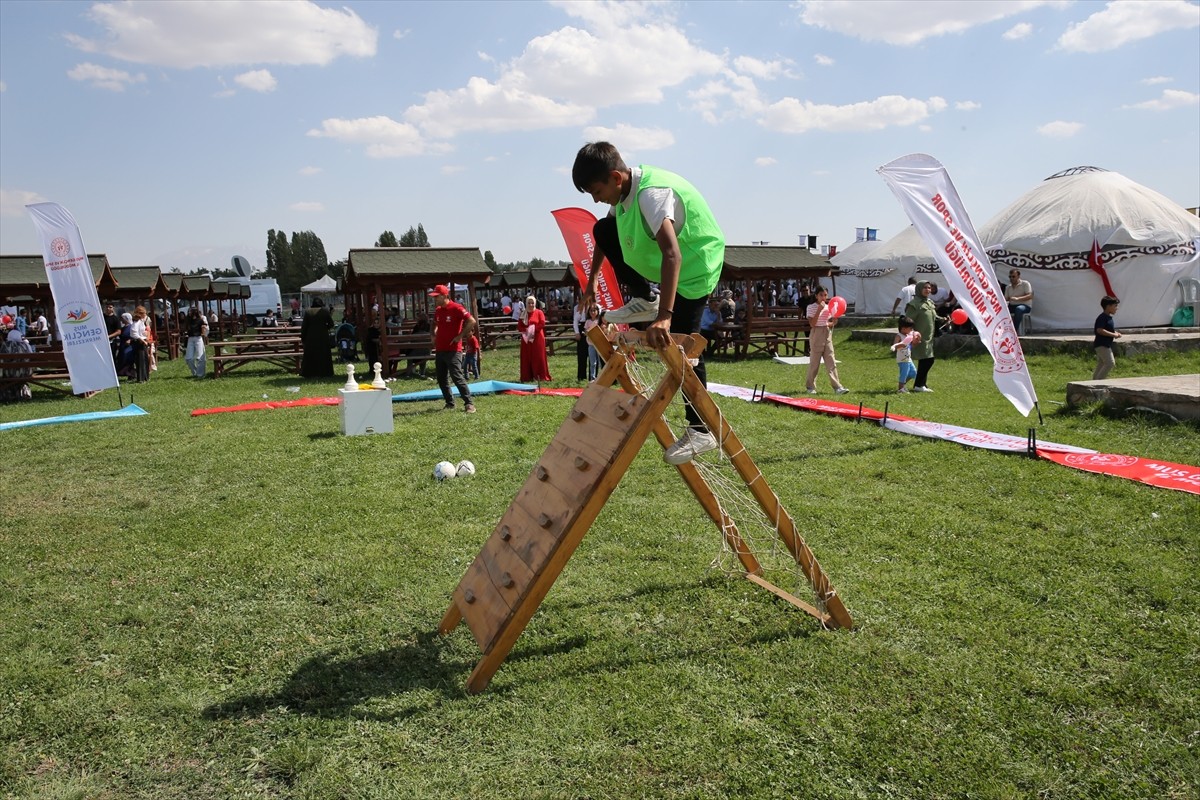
483, 607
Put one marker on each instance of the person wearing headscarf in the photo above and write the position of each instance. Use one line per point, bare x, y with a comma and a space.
125, 364
13, 341
923, 312
317, 358
532, 327
139, 333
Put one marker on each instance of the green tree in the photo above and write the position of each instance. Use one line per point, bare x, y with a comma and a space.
387, 239
490, 260
308, 258
415, 237
279, 256
337, 269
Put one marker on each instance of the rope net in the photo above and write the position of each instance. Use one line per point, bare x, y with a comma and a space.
743, 517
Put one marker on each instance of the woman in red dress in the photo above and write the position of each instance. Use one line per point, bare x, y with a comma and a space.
532, 326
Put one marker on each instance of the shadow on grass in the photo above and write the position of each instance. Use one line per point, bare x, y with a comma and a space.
332, 685
335, 685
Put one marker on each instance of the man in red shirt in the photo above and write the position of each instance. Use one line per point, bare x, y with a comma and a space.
449, 321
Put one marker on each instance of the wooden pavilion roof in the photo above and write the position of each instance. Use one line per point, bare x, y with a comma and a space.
26, 276
141, 282
763, 262
400, 268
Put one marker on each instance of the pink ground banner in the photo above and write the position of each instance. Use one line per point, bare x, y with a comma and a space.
576, 224
1152, 472
973, 437
263, 405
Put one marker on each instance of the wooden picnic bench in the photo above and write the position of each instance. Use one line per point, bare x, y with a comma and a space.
493, 330
46, 368
284, 352
408, 347
560, 335
770, 335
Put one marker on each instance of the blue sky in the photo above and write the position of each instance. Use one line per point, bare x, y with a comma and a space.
177, 134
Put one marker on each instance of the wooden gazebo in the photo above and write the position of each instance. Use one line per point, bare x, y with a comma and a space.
377, 277
142, 286
23, 282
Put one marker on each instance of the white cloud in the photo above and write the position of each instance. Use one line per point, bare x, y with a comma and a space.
925, 128
1060, 130
307, 206
1156, 80
967, 105
400, 34
308, 171
383, 137
13, 202
765, 161
790, 115
115, 80
823, 60
494, 107
629, 139
1125, 21
907, 22
1019, 31
453, 169
766, 70
1170, 99
259, 80
186, 35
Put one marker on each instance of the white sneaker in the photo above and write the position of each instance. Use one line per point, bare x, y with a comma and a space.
842, 390
922, 389
691, 444
811, 391
636, 310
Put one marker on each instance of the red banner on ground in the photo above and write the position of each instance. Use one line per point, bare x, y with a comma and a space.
1150, 471
265, 404
576, 227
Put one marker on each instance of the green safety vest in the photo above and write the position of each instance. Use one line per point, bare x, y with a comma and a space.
701, 243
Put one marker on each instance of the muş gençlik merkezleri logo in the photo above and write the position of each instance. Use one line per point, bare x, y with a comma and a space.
77, 317
60, 247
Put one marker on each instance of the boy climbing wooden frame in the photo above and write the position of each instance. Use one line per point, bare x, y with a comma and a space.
564, 493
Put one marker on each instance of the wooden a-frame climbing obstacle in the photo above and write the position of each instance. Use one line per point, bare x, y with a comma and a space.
569, 485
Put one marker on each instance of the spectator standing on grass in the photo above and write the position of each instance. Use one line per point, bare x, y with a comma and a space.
316, 360
710, 318
593, 320
821, 324
532, 327
139, 333
1106, 331
902, 347
112, 323
923, 313
579, 316
197, 334
659, 229
449, 321
472, 355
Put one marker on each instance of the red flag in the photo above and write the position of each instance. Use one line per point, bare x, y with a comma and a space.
1096, 264
576, 227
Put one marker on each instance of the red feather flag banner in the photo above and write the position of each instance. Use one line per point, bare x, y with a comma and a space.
1096, 264
576, 225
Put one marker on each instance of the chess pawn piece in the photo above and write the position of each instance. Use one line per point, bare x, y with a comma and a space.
351, 384
378, 382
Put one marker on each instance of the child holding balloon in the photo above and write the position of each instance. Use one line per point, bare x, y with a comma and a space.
903, 350
822, 316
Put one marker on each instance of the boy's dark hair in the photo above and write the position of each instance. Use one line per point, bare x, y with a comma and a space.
905, 322
594, 162
1109, 300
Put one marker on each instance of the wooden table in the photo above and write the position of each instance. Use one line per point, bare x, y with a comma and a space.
281, 351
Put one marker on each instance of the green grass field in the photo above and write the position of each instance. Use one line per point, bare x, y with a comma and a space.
245, 605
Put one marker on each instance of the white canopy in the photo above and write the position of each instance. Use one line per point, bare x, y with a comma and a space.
849, 278
885, 269
323, 285
1146, 241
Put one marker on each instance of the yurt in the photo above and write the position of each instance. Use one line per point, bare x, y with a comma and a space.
849, 280
1086, 232
888, 267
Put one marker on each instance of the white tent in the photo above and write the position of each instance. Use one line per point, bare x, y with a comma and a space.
888, 267
1147, 243
323, 285
849, 277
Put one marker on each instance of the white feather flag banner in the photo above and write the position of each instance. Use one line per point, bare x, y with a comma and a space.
931, 202
76, 304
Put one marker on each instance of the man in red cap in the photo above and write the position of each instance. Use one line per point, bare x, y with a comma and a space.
450, 320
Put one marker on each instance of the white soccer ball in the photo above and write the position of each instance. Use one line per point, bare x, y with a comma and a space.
464, 468
443, 470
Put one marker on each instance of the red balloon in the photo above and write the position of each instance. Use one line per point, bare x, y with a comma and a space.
958, 316
837, 306
508, 309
